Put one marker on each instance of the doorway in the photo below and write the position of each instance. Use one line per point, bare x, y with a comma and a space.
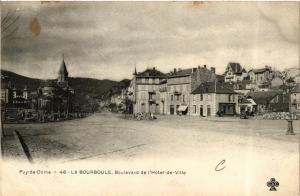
201, 110
172, 109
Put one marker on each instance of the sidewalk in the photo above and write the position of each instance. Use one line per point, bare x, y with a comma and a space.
12, 147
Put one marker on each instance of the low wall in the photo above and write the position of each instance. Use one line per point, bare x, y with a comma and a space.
277, 116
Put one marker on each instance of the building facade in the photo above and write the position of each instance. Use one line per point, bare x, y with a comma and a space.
212, 98
6, 91
56, 97
234, 72
295, 98
180, 84
155, 92
146, 91
261, 76
270, 101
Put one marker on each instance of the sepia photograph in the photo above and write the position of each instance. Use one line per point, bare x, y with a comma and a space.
150, 98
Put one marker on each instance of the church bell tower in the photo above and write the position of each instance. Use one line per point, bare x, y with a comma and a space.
63, 74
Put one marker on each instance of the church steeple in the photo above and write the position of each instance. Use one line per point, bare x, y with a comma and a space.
134, 73
63, 73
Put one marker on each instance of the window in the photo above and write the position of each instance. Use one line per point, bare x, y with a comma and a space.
177, 97
194, 97
151, 96
208, 110
183, 98
201, 97
229, 98
208, 97
194, 109
172, 98
147, 80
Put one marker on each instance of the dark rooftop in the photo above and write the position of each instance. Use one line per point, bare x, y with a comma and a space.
235, 67
260, 70
262, 97
151, 73
213, 87
180, 72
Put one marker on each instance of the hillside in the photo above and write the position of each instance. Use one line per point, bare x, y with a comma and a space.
94, 88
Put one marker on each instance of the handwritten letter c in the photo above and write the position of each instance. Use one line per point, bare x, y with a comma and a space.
221, 163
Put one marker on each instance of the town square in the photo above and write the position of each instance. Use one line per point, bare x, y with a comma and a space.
150, 98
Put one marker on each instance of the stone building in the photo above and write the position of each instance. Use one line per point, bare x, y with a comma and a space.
55, 98
261, 77
210, 98
270, 101
163, 88
234, 72
295, 98
180, 84
6, 91
155, 92
145, 88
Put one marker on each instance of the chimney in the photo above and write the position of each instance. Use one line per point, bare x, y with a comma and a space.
153, 68
174, 70
212, 69
198, 66
194, 69
204, 66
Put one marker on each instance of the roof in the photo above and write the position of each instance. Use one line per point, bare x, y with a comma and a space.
235, 67
296, 89
180, 72
262, 97
48, 83
63, 68
246, 101
151, 73
260, 70
213, 87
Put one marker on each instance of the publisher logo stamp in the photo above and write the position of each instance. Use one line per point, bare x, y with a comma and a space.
272, 184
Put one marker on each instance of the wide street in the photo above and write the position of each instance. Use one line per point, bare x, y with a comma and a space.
253, 150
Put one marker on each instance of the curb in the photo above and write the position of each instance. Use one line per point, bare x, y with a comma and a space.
22, 147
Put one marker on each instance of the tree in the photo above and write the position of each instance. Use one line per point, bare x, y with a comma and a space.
9, 25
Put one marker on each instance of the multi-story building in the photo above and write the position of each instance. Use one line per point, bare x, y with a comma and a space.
210, 98
163, 88
6, 91
295, 98
180, 84
261, 76
270, 101
21, 98
56, 96
234, 72
146, 94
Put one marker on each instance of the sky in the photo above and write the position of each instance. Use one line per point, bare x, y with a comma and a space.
106, 40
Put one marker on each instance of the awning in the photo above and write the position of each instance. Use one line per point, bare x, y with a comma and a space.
182, 108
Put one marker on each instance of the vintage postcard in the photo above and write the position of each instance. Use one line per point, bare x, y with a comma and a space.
149, 98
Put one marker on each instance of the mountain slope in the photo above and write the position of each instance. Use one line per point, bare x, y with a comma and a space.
84, 86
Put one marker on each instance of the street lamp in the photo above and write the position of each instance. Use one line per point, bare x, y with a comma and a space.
290, 130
